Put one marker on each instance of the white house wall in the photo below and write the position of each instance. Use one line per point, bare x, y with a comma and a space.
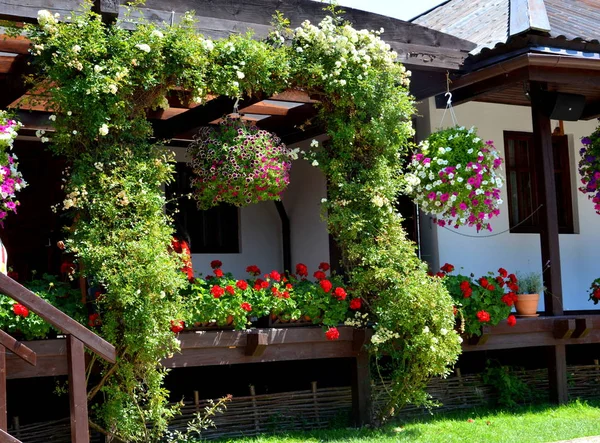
487, 251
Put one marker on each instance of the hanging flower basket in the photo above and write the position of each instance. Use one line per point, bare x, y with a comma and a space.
11, 180
456, 178
238, 164
589, 168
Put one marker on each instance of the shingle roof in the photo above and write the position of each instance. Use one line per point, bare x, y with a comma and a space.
488, 22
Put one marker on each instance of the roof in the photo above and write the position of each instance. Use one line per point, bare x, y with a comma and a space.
488, 23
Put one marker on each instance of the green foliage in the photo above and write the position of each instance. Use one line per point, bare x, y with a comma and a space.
595, 291
106, 78
509, 389
530, 283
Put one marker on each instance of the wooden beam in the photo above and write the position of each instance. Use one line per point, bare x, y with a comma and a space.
564, 328
57, 318
528, 15
5, 437
256, 343
9, 63
550, 245
80, 432
17, 348
15, 45
165, 114
108, 9
265, 109
3, 413
293, 95
583, 326
361, 382
557, 374
27, 11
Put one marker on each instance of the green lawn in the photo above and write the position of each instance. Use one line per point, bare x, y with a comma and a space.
533, 424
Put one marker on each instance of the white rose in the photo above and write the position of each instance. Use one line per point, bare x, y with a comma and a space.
240, 75
143, 47
157, 33
103, 130
76, 48
52, 118
315, 163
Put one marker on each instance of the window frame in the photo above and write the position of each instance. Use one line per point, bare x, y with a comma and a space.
565, 192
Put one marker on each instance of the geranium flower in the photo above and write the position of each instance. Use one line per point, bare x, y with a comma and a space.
447, 268
301, 270
511, 320
275, 275
242, 284
503, 272
218, 273
339, 293
216, 264
217, 291
325, 285
20, 310
483, 316
355, 304
319, 275
229, 289
324, 266
177, 326
253, 270
332, 334
246, 306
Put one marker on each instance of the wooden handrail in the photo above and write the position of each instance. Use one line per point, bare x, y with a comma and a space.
5, 437
17, 348
57, 318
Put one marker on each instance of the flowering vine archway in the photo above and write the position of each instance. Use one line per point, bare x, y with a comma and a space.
105, 79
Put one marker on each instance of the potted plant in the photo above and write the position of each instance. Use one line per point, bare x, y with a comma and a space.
595, 291
456, 177
530, 286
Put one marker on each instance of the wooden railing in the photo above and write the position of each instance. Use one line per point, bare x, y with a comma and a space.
78, 337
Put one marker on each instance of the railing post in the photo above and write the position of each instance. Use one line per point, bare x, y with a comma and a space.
3, 415
80, 432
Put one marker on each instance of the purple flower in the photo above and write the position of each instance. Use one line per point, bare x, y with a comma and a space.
586, 141
431, 196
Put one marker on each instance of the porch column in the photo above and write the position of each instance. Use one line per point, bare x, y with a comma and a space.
542, 140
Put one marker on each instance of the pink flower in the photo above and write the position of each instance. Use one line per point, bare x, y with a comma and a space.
431, 196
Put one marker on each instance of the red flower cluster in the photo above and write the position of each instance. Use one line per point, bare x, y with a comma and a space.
218, 273
246, 306
253, 270
275, 275
355, 304
509, 299
596, 294
332, 334
483, 316
67, 267
242, 284
216, 264
447, 268
503, 272
301, 270
319, 275
512, 284
177, 326
94, 320
324, 266
217, 291
338, 293
20, 310
466, 289
259, 284
326, 285
511, 320
229, 289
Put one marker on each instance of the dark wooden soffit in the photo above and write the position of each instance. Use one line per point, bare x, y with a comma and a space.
416, 45
506, 82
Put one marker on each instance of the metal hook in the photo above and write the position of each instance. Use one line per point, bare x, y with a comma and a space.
449, 95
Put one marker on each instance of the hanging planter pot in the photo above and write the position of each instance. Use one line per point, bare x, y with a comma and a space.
11, 180
589, 168
239, 164
456, 177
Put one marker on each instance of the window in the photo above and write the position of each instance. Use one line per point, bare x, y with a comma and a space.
521, 177
214, 231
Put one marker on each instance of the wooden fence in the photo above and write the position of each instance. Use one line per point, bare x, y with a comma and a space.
318, 408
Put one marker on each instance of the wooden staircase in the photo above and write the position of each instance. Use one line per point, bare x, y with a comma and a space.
78, 337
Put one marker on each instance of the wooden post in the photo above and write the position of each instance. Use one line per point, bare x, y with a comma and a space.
557, 374
313, 386
254, 411
80, 432
197, 401
3, 416
542, 140
361, 381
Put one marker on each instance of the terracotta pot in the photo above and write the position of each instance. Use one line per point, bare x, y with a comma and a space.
527, 304
229, 320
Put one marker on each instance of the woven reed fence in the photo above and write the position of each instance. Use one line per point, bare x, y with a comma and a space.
318, 408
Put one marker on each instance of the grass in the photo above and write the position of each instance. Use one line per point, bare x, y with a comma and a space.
542, 423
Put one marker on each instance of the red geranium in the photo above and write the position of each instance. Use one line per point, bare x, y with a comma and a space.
503, 272
324, 266
20, 310
94, 320
301, 270
177, 326
355, 304
275, 275
338, 293
246, 306
440, 274
288, 286
217, 291
484, 282
597, 293
218, 273
447, 268
286, 294
326, 285
242, 284
483, 316
511, 320
467, 293
500, 281
253, 270
509, 299
512, 278
332, 334
67, 267
230, 289
319, 275
513, 287
490, 287
216, 264
464, 285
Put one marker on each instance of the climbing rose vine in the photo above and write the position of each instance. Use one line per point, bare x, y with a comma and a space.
456, 176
